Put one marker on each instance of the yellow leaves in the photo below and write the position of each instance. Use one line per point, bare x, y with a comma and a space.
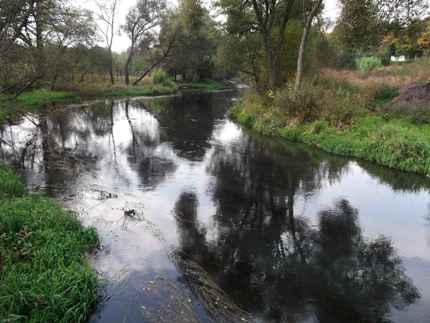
423, 40
270, 94
390, 39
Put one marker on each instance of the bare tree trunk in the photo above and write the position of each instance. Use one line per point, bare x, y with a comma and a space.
273, 73
157, 62
127, 65
303, 44
112, 76
40, 57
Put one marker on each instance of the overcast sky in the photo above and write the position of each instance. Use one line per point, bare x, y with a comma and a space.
121, 42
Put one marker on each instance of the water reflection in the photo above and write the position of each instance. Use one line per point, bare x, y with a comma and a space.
231, 227
328, 273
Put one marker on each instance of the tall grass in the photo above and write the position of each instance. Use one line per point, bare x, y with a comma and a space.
343, 115
369, 63
44, 275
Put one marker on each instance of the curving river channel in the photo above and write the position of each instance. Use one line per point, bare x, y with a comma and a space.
201, 221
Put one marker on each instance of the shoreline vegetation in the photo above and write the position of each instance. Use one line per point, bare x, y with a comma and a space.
34, 99
44, 272
352, 114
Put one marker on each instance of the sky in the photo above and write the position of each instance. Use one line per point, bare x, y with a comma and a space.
121, 42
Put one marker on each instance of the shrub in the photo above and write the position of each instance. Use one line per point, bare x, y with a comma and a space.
328, 101
160, 77
10, 185
369, 63
162, 83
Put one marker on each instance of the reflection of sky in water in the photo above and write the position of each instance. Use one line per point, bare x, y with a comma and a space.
383, 211
138, 159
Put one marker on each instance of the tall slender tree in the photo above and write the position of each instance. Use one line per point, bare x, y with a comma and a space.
308, 17
140, 21
107, 16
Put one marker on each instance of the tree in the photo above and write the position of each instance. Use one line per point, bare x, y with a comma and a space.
36, 38
401, 11
14, 15
141, 19
162, 50
269, 19
107, 14
364, 23
308, 18
193, 53
73, 28
357, 29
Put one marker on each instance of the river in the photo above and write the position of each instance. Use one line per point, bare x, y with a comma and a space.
202, 221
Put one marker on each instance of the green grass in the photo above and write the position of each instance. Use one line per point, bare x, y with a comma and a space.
130, 91
395, 143
39, 98
33, 100
44, 274
205, 85
36, 99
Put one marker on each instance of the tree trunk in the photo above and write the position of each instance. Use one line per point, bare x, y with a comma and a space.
271, 64
127, 65
303, 44
40, 57
112, 76
157, 62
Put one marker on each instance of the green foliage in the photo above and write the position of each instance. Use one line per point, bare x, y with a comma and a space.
44, 276
10, 185
160, 77
206, 85
357, 28
336, 116
396, 143
384, 94
196, 38
162, 83
33, 100
369, 63
42, 97
335, 102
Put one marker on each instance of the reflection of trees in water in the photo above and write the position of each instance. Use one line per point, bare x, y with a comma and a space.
56, 146
397, 180
151, 166
188, 123
271, 261
193, 259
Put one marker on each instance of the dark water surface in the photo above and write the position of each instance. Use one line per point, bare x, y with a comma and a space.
203, 222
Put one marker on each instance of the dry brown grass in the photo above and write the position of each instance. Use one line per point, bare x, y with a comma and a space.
396, 76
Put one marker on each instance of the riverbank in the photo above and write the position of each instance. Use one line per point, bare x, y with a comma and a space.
35, 99
344, 118
44, 273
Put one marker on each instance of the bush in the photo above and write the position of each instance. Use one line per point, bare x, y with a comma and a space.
367, 64
10, 185
162, 83
332, 102
160, 77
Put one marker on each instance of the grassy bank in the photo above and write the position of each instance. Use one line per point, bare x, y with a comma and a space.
35, 99
44, 275
346, 118
204, 85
